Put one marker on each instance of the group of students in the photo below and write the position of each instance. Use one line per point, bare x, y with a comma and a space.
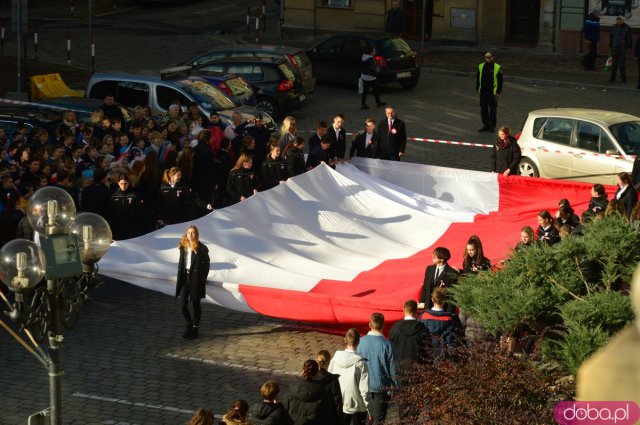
353, 386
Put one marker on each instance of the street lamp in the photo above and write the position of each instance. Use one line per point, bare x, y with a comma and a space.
68, 250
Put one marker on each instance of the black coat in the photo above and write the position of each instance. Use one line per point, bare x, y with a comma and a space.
483, 264
96, 199
411, 340
295, 162
629, 199
448, 278
196, 279
308, 403
506, 158
242, 182
332, 386
273, 171
127, 215
598, 204
175, 203
549, 236
392, 141
317, 155
338, 142
359, 147
264, 413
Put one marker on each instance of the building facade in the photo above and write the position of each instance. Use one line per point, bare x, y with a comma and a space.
551, 25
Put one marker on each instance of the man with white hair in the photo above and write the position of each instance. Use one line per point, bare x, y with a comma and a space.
175, 113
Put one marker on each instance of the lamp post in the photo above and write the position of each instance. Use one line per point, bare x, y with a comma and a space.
69, 248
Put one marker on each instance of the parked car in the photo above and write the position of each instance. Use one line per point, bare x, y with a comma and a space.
12, 115
579, 144
338, 59
234, 86
278, 87
295, 56
159, 94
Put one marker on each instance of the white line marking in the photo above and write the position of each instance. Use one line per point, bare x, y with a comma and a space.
233, 365
137, 404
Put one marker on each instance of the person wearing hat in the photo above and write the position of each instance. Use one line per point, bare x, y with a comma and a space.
489, 88
619, 42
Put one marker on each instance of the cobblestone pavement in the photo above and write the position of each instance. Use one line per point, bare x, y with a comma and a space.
125, 363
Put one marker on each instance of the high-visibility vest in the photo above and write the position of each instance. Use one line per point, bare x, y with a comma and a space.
496, 70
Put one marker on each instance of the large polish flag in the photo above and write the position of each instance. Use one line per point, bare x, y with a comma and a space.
334, 246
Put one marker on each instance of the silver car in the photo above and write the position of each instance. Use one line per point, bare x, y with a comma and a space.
579, 144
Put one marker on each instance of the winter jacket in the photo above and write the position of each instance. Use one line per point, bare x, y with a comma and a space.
264, 413
382, 361
332, 386
507, 157
592, 28
354, 380
411, 340
620, 38
308, 403
598, 204
445, 329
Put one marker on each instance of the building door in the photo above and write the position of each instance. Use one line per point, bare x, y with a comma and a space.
524, 21
413, 18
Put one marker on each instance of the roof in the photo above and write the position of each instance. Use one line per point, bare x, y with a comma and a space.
605, 118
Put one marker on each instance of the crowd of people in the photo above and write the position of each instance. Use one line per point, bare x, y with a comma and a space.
142, 172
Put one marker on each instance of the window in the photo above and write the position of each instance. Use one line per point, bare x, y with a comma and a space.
166, 96
335, 3
558, 130
216, 67
353, 47
248, 72
208, 57
132, 94
331, 46
588, 136
102, 88
628, 136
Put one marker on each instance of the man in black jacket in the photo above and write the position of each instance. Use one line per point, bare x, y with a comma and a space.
365, 142
439, 274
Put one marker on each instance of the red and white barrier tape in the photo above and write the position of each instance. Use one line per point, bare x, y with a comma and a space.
632, 157
449, 142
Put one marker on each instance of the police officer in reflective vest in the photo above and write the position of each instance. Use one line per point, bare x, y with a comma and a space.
489, 87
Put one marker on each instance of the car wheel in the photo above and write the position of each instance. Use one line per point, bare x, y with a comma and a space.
527, 168
409, 84
268, 105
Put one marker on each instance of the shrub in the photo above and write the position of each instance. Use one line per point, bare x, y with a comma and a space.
578, 285
479, 385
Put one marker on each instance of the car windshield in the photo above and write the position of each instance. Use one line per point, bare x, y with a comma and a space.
207, 95
628, 136
392, 47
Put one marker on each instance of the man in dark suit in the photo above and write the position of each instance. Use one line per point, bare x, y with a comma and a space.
440, 274
365, 142
337, 136
393, 136
321, 131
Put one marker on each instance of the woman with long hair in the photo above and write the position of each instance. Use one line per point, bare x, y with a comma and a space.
288, 131
474, 259
237, 413
547, 231
274, 170
626, 193
598, 202
202, 417
193, 269
505, 155
185, 163
243, 181
174, 198
527, 238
